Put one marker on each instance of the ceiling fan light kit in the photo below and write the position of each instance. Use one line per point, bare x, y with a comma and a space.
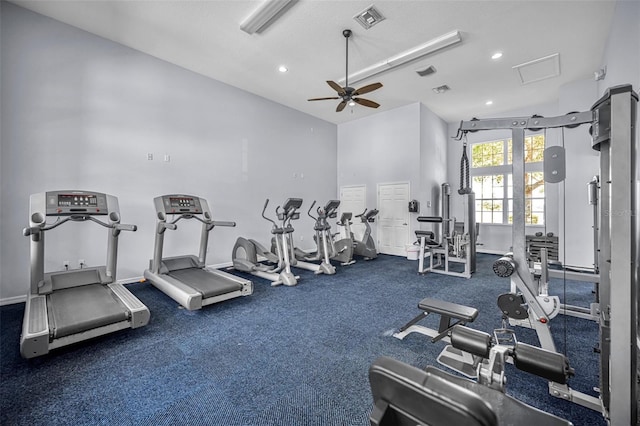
347, 93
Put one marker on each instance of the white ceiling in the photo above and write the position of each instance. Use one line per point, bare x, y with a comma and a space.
205, 37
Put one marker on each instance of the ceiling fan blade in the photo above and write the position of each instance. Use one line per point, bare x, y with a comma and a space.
366, 102
368, 88
335, 86
341, 106
324, 99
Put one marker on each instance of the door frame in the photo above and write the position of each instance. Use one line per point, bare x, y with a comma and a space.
408, 220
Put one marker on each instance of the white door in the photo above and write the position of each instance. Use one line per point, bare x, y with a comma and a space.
353, 199
393, 218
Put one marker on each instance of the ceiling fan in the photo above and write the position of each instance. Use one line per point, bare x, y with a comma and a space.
346, 93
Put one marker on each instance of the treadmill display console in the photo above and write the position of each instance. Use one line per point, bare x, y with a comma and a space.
68, 200
182, 204
70, 203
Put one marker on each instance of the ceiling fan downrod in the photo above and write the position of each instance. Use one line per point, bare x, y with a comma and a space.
346, 34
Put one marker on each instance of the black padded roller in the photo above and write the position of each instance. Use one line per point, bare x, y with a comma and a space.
469, 340
543, 363
504, 267
430, 219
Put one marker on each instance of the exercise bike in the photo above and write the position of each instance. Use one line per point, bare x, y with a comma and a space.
366, 247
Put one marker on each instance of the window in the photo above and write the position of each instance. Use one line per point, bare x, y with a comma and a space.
492, 181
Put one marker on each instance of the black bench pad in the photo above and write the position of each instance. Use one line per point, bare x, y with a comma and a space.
448, 309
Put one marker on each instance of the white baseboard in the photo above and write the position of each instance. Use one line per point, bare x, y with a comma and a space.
488, 251
12, 300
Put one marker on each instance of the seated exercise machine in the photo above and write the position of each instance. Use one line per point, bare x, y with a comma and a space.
404, 395
613, 120
457, 243
246, 251
340, 249
290, 212
70, 306
459, 361
366, 247
543, 268
187, 279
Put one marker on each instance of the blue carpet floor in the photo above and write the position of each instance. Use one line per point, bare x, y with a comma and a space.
283, 356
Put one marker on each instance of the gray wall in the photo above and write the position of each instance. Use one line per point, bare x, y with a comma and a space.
622, 51
81, 112
406, 144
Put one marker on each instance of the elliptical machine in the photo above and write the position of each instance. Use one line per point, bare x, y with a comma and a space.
366, 247
322, 239
340, 250
245, 256
290, 212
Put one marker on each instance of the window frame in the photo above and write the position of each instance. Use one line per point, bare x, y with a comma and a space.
506, 171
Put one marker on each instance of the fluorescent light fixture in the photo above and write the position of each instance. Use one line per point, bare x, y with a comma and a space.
417, 52
265, 15
496, 55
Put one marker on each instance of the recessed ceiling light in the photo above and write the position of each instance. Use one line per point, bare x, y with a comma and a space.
282, 68
496, 55
489, 103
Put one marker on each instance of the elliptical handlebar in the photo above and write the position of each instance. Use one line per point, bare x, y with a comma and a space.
310, 208
363, 213
264, 209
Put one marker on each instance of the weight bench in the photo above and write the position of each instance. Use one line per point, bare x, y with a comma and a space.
451, 314
405, 396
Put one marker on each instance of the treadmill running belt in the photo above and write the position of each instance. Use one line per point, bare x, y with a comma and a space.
208, 284
77, 309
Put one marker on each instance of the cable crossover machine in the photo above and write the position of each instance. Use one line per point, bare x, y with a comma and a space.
613, 121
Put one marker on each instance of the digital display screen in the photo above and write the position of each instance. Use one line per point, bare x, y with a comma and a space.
76, 200
182, 202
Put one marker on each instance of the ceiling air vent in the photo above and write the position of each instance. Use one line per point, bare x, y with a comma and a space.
369, 17
441, 89
427, 71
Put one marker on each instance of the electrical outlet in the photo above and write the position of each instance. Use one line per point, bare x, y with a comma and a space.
150, 156
301, 237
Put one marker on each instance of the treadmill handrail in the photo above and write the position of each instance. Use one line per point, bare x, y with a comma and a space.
77, 218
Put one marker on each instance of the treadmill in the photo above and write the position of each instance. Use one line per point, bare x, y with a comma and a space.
186, 279
70, 306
